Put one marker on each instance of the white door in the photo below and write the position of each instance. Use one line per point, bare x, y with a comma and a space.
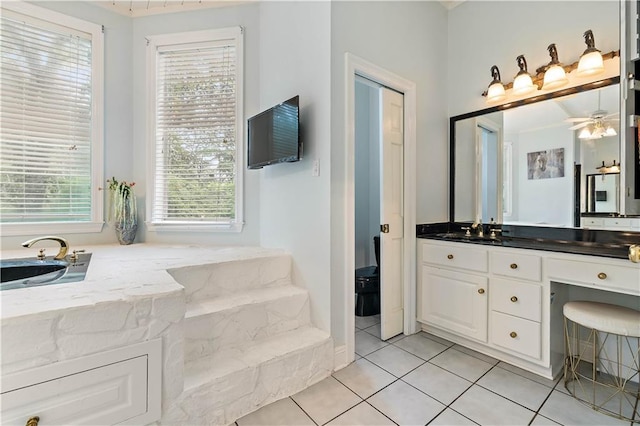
391, 213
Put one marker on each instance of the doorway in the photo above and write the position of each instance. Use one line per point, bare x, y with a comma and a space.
398, 313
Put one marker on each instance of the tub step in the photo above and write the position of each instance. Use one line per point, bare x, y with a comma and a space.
266, 268
224, 322
224, 386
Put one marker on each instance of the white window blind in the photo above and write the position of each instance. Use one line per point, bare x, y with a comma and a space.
197, 115
46, 126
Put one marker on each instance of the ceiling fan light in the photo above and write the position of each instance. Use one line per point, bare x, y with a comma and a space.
610, 131
585, 134
554, 78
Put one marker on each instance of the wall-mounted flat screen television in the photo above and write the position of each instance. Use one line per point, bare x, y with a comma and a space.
273, 136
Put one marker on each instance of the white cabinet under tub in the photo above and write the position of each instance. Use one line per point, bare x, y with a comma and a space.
507, 302
120, 386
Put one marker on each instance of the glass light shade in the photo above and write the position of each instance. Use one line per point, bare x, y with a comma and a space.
523, 84
610, 131
554, 77
496, 92
585, 133
590, 64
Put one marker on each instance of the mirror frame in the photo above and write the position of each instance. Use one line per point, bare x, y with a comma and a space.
510, 105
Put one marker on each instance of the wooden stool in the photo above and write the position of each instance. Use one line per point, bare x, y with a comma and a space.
602, 357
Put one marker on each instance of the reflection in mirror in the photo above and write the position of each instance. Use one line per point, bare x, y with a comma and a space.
602, 192
516, 166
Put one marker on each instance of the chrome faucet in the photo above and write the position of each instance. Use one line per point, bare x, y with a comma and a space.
478, 227
64, 245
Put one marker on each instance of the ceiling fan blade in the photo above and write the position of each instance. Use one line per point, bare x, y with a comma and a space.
611, 115
580, 126
576, 119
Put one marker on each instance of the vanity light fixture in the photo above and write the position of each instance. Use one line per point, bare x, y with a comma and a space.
523, 83
496, 91
554, 76
591, 61
613, 168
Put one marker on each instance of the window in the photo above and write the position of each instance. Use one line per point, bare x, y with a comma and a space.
195, 96
50, 122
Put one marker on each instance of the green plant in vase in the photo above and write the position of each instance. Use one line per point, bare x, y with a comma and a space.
123, 210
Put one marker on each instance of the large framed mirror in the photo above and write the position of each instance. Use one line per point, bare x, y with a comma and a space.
536, 162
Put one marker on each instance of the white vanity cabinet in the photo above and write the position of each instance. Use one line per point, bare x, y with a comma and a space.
516, 303
507, 302
454, 288
121, 386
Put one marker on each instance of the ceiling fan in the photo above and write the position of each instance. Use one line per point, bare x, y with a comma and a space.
596, 126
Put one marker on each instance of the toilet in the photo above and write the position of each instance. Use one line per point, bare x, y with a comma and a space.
367, 286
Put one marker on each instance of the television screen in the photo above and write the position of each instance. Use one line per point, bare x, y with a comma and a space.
273, 135
601, 195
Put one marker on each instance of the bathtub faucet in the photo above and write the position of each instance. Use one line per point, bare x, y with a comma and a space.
64, 244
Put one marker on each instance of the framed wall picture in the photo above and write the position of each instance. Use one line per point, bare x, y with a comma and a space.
545, 164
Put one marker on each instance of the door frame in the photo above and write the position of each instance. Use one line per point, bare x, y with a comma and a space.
355, 65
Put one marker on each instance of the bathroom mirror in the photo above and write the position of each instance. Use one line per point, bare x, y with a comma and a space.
514, 164
602, 193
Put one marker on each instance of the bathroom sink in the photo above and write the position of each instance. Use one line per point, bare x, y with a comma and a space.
19, 269
24, 273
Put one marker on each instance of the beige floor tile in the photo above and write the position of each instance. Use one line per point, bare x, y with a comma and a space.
567, 410
364, 378
451, 418
421, 346
326, 400
374, 330
362, 414
406, 405
366, 343
284, 412
395, 360
476, 354
515, 387
437, 382
463, 365
487, 408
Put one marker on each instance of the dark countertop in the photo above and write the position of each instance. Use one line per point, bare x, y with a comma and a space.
591, 242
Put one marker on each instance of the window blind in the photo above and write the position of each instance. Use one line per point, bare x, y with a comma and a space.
45, 122
195, 156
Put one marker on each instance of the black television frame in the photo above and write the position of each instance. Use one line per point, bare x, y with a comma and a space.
289, 159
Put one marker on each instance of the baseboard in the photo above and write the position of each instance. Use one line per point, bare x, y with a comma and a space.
340, 358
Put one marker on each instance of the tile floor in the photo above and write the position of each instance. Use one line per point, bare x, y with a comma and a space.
424, 380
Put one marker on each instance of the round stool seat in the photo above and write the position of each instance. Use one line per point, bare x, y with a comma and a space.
604, 317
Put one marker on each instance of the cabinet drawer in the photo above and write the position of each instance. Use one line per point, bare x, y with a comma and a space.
105, 395
624, 279
517, 265
516, 298
516, 334
456, 255
588, 222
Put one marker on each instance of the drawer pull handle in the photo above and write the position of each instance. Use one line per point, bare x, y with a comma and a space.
513, 334
514, 299
602, 276
33, 421
481, 290
449, 256
514, 266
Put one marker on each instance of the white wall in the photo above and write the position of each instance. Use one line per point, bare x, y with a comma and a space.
294, 205
405, 38
367, 173
486, 33
545, 201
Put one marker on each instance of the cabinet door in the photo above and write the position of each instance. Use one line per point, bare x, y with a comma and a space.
455, 302
101, 396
